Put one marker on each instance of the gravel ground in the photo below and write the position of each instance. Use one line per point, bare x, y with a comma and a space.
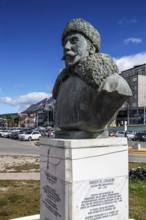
9, 165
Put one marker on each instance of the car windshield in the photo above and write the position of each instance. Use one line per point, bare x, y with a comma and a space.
28, 132
139, 134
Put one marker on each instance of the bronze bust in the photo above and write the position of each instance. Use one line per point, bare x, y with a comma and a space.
89, 92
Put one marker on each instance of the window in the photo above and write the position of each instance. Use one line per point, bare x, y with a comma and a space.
35, 132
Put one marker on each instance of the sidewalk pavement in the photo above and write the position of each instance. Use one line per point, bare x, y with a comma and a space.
19, 176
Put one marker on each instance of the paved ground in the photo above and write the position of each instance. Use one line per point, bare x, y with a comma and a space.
19, 176
9, 165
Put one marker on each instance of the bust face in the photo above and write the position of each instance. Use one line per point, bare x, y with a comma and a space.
76, 48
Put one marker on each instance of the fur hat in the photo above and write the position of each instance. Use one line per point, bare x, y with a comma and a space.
81, 26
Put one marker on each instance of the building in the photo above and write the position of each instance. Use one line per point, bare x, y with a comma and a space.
134, 110
44, 111
27, 121
39, 114
9, 120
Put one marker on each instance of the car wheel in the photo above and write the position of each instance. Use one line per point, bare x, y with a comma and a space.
29, 138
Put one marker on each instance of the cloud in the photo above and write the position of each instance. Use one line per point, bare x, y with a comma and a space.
128, 62
126, 21
133, 40
24, 101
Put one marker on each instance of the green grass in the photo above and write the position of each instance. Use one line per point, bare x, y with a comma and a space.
3, 202
137, 199
19, 198
24, 167
133, 165
137, 195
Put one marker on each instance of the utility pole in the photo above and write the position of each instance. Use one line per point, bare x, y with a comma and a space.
128, 121
144, 115
144, 105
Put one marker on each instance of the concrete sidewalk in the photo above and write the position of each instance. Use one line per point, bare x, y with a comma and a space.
19, 176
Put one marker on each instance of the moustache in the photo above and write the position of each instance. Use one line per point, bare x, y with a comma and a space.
69, 54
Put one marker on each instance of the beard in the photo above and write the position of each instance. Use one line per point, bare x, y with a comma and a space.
93, 70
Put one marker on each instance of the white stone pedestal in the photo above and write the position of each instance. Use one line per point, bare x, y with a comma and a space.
84, 179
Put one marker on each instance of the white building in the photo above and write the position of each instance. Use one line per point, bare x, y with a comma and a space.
133, 110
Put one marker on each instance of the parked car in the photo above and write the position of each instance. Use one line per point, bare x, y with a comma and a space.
42, 132
15, 134
6, 133
130, 135
1, 131
30, 135
112, 133
120, 134
138, 136
143, 137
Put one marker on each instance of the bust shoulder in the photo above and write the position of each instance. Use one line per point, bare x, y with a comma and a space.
116, 83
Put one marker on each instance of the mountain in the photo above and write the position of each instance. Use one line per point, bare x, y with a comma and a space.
44, 105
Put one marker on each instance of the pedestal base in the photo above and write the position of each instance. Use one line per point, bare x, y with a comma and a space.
84, 179
81, 135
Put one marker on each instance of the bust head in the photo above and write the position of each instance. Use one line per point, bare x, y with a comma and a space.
76, 48
79, 40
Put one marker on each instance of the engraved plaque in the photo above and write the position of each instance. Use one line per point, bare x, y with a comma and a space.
101, 199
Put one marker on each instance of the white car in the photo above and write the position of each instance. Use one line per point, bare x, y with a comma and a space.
130, 135
120, 134
6, 133
30, 135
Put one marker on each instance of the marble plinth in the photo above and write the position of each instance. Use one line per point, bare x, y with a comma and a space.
32, 217
84, 179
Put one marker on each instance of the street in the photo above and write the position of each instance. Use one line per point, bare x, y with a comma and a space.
137, 158
143, 144
16, 147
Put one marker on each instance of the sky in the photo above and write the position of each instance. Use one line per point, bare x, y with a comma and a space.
31, 49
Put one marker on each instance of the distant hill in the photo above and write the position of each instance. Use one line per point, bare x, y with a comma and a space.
43, 105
